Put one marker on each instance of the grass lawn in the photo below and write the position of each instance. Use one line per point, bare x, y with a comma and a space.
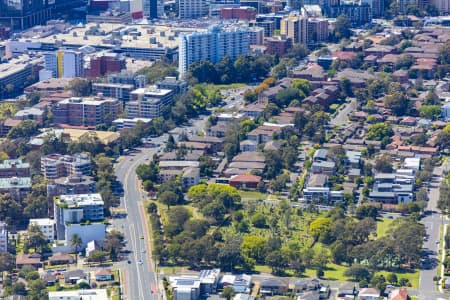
383, 226
252, 195
333, 272
263, 269
413, 277
173, 270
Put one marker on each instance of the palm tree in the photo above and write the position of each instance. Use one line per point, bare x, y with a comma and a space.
76, 242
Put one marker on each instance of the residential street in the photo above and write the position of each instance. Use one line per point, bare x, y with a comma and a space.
433, 221
342, 115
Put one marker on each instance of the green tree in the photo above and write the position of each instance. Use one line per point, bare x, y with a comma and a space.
444, 54
358, 272
379, 132
228, 292
277, 261
168, 198
254, 247
76, 242
432, 112
113, 244
342, 28
35, 239
80, 87
383, 164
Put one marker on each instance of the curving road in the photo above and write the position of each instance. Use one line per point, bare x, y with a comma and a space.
139, 278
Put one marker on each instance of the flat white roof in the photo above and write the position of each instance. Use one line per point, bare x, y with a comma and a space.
81, 200
42, 222
97, 294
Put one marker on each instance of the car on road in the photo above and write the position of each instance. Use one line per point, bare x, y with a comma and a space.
140, 262
437, 242
141, 237
129, 261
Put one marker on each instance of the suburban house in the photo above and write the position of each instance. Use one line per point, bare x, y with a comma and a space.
272, 287
245, 181
32, 259
369, 294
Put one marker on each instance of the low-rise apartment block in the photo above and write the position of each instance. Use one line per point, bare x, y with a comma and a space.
46, 226
81, 215
14, 168
88, 111
3, 237
149, 102
17, 187
57, 165
70, 185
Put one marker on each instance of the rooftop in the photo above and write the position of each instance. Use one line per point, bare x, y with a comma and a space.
14, 163
80, 200
15, 182
97, 294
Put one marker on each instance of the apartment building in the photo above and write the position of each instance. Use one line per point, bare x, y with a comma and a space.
81, 215
178, 86
295, 27
16, 72
88, 111
149, 102
46, 226
212, 45
70, 185
3, 237
317, 31
118, 91
57, 165
17, 187
14, 168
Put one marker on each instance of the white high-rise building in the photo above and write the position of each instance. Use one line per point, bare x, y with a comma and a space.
212, 45
64, 63
3, 237
191, 9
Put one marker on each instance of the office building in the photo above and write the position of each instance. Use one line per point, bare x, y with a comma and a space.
192, 9
72, 212
88, 111
153, 9
149, 102
14, 168
117, 91
3, 237
57, 165
46, 226
64, 63
212, 45
24, 14
295, 27
267, 25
